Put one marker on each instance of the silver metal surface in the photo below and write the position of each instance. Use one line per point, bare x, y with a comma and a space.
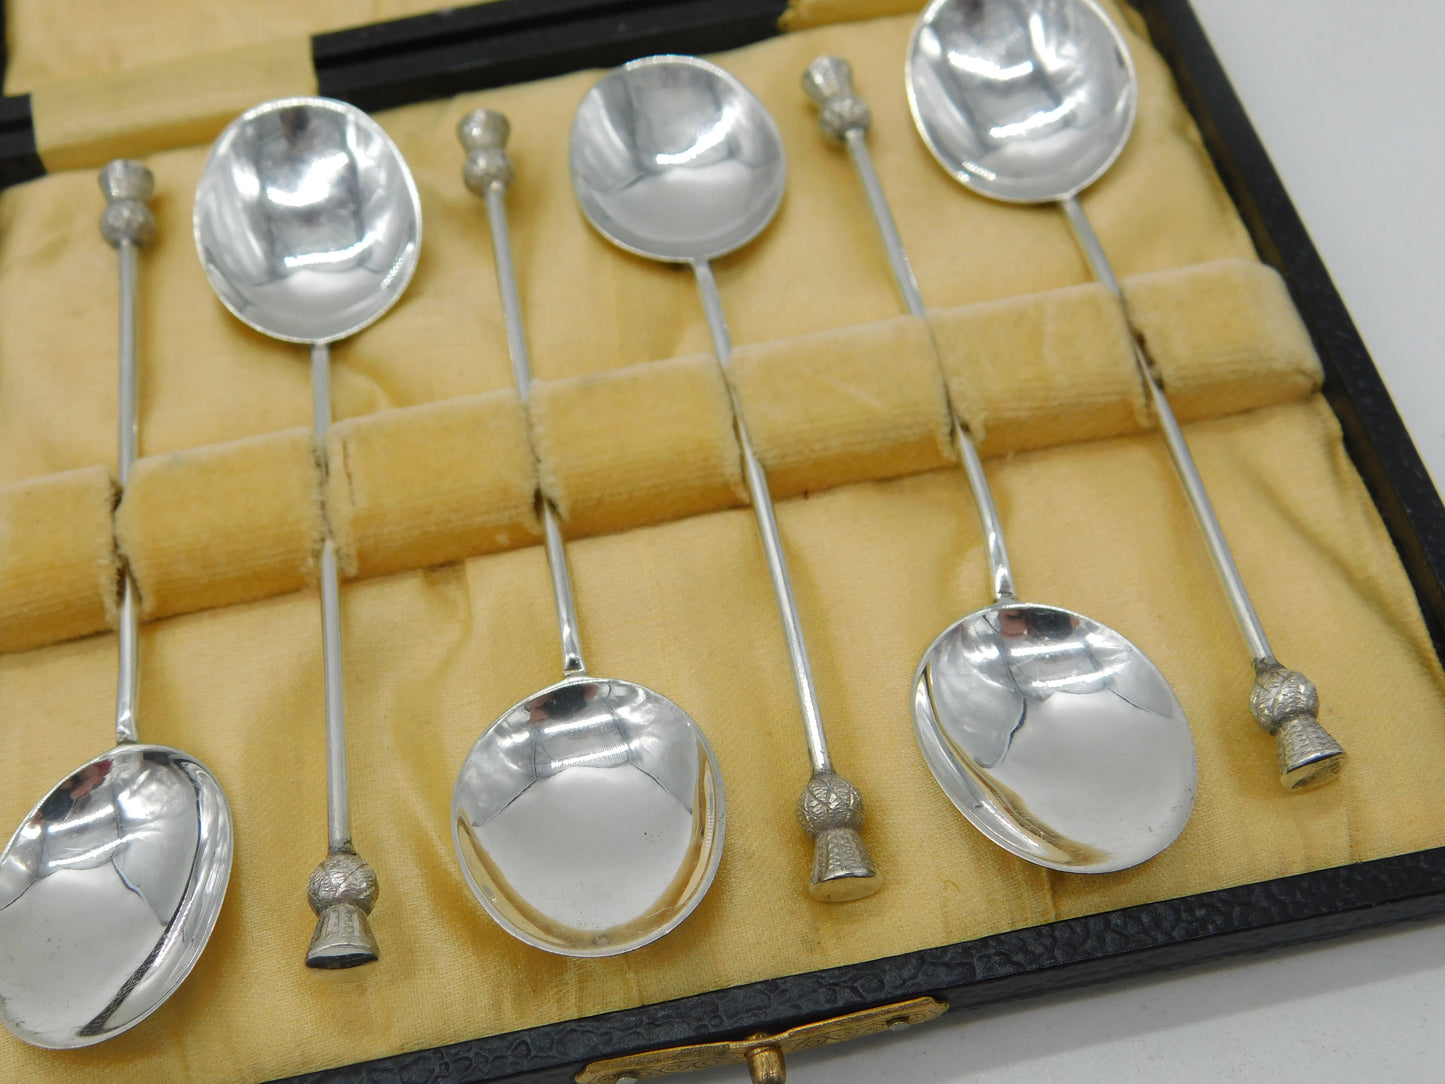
588, 819
674, 159
109, 890
757, 483
1244, 613
1055, 736
306, 219
829, 82
892, 242
342, 890
127, 686
127, 689
1023, 100
1031, 101
127, 224
494, 188
843, 116
308, 225
338, 813
567, 627
111, 886
1000, 571
126, 398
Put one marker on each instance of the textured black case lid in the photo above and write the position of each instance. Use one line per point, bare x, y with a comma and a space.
444, 53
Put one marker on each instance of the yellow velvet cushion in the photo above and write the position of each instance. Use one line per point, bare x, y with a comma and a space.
430, 484
58, 573
437, 482
637, 445
223, 524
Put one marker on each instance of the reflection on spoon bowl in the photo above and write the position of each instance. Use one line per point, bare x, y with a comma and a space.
307, 220
674, 159
1056, 737
109, 890
589, 818
1022, 102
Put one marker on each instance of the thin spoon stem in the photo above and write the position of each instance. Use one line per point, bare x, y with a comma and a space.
857, 145
127, 397
338, 812
127, 683
341, 890
768, 529
572, 663
1234, 589
1000, 571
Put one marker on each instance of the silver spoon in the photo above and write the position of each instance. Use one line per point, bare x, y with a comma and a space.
1031, 101
1055, 736
674, 159
308, 225
110, 887
589, 818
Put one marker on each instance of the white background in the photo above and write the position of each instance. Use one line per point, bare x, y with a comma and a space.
1347, 98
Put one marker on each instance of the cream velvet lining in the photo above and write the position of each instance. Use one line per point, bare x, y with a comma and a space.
46, 50
671, 587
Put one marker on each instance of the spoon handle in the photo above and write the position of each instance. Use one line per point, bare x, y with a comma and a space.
1284, 702
126, 225
487, 172
830, 808
843, 116
342, 890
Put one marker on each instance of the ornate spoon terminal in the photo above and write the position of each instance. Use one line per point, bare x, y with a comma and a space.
829, 82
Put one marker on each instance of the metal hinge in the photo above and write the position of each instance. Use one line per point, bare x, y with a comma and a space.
763, 1053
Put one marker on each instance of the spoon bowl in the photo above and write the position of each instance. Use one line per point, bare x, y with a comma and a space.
1025, 103
589, 817
109, 890
674, 159
307, 220
1055, 736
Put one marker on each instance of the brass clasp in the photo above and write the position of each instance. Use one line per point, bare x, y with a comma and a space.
763, 1053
